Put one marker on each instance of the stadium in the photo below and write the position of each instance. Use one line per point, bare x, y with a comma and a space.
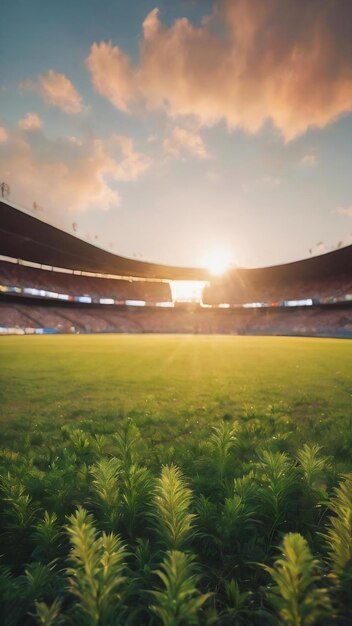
176, 313
53, 282
159, 416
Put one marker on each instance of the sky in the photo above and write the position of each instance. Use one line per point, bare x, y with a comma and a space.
171, 131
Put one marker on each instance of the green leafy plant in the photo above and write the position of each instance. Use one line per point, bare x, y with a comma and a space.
235, 610
296, 596
96, 573
278, 484
48, 615
179, 601
46, 536
127, 441
240, 499
19, 510
83, 445
222, 442
105, 488
136, 496
172, 501
339, 535
312, 464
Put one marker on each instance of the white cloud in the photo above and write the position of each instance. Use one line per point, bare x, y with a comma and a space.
133, 163
30, 122
250, 61
182, 140
57, 90
112, 74
63, 176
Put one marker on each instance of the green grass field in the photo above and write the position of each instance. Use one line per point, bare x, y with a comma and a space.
203, 458
172, 383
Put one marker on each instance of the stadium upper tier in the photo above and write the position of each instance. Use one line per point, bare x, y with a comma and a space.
16, 278
23, 236
26, 237
235, 290
38, 282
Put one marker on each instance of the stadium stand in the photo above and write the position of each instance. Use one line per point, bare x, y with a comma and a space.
322, 321
309, 297
77, 285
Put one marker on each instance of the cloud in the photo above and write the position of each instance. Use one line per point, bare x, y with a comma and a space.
344, 211
250, 61
31, 121
63, 176
3, 134
308, 160
112, 74
133, 163
183, 140
57, 90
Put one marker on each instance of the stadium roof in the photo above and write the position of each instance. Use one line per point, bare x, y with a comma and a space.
26, 237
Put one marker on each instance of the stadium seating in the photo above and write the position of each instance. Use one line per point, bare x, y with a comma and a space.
98, 319
237, 290
80, 285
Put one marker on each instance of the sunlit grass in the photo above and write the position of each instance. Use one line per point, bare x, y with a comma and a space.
163, 480
171, 384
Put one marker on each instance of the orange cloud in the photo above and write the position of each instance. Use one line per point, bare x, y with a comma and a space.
62, 176
133, 163
57, 90
250, 61
3, 134
112, 74
183, 140
31, 121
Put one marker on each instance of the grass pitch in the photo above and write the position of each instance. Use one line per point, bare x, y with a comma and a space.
150, 480
172, 385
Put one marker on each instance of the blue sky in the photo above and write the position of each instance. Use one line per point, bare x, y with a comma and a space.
216, 132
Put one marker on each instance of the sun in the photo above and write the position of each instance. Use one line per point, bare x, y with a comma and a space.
217, 262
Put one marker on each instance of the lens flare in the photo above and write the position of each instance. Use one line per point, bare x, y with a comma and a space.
217, 262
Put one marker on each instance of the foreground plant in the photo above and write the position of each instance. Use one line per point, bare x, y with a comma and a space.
172, 502
179, 601
96, 575
48, 615
278, 484
222, 441
136, 497
105, 487
127, 440
312, 464
339, 540
295, 594
47, 536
